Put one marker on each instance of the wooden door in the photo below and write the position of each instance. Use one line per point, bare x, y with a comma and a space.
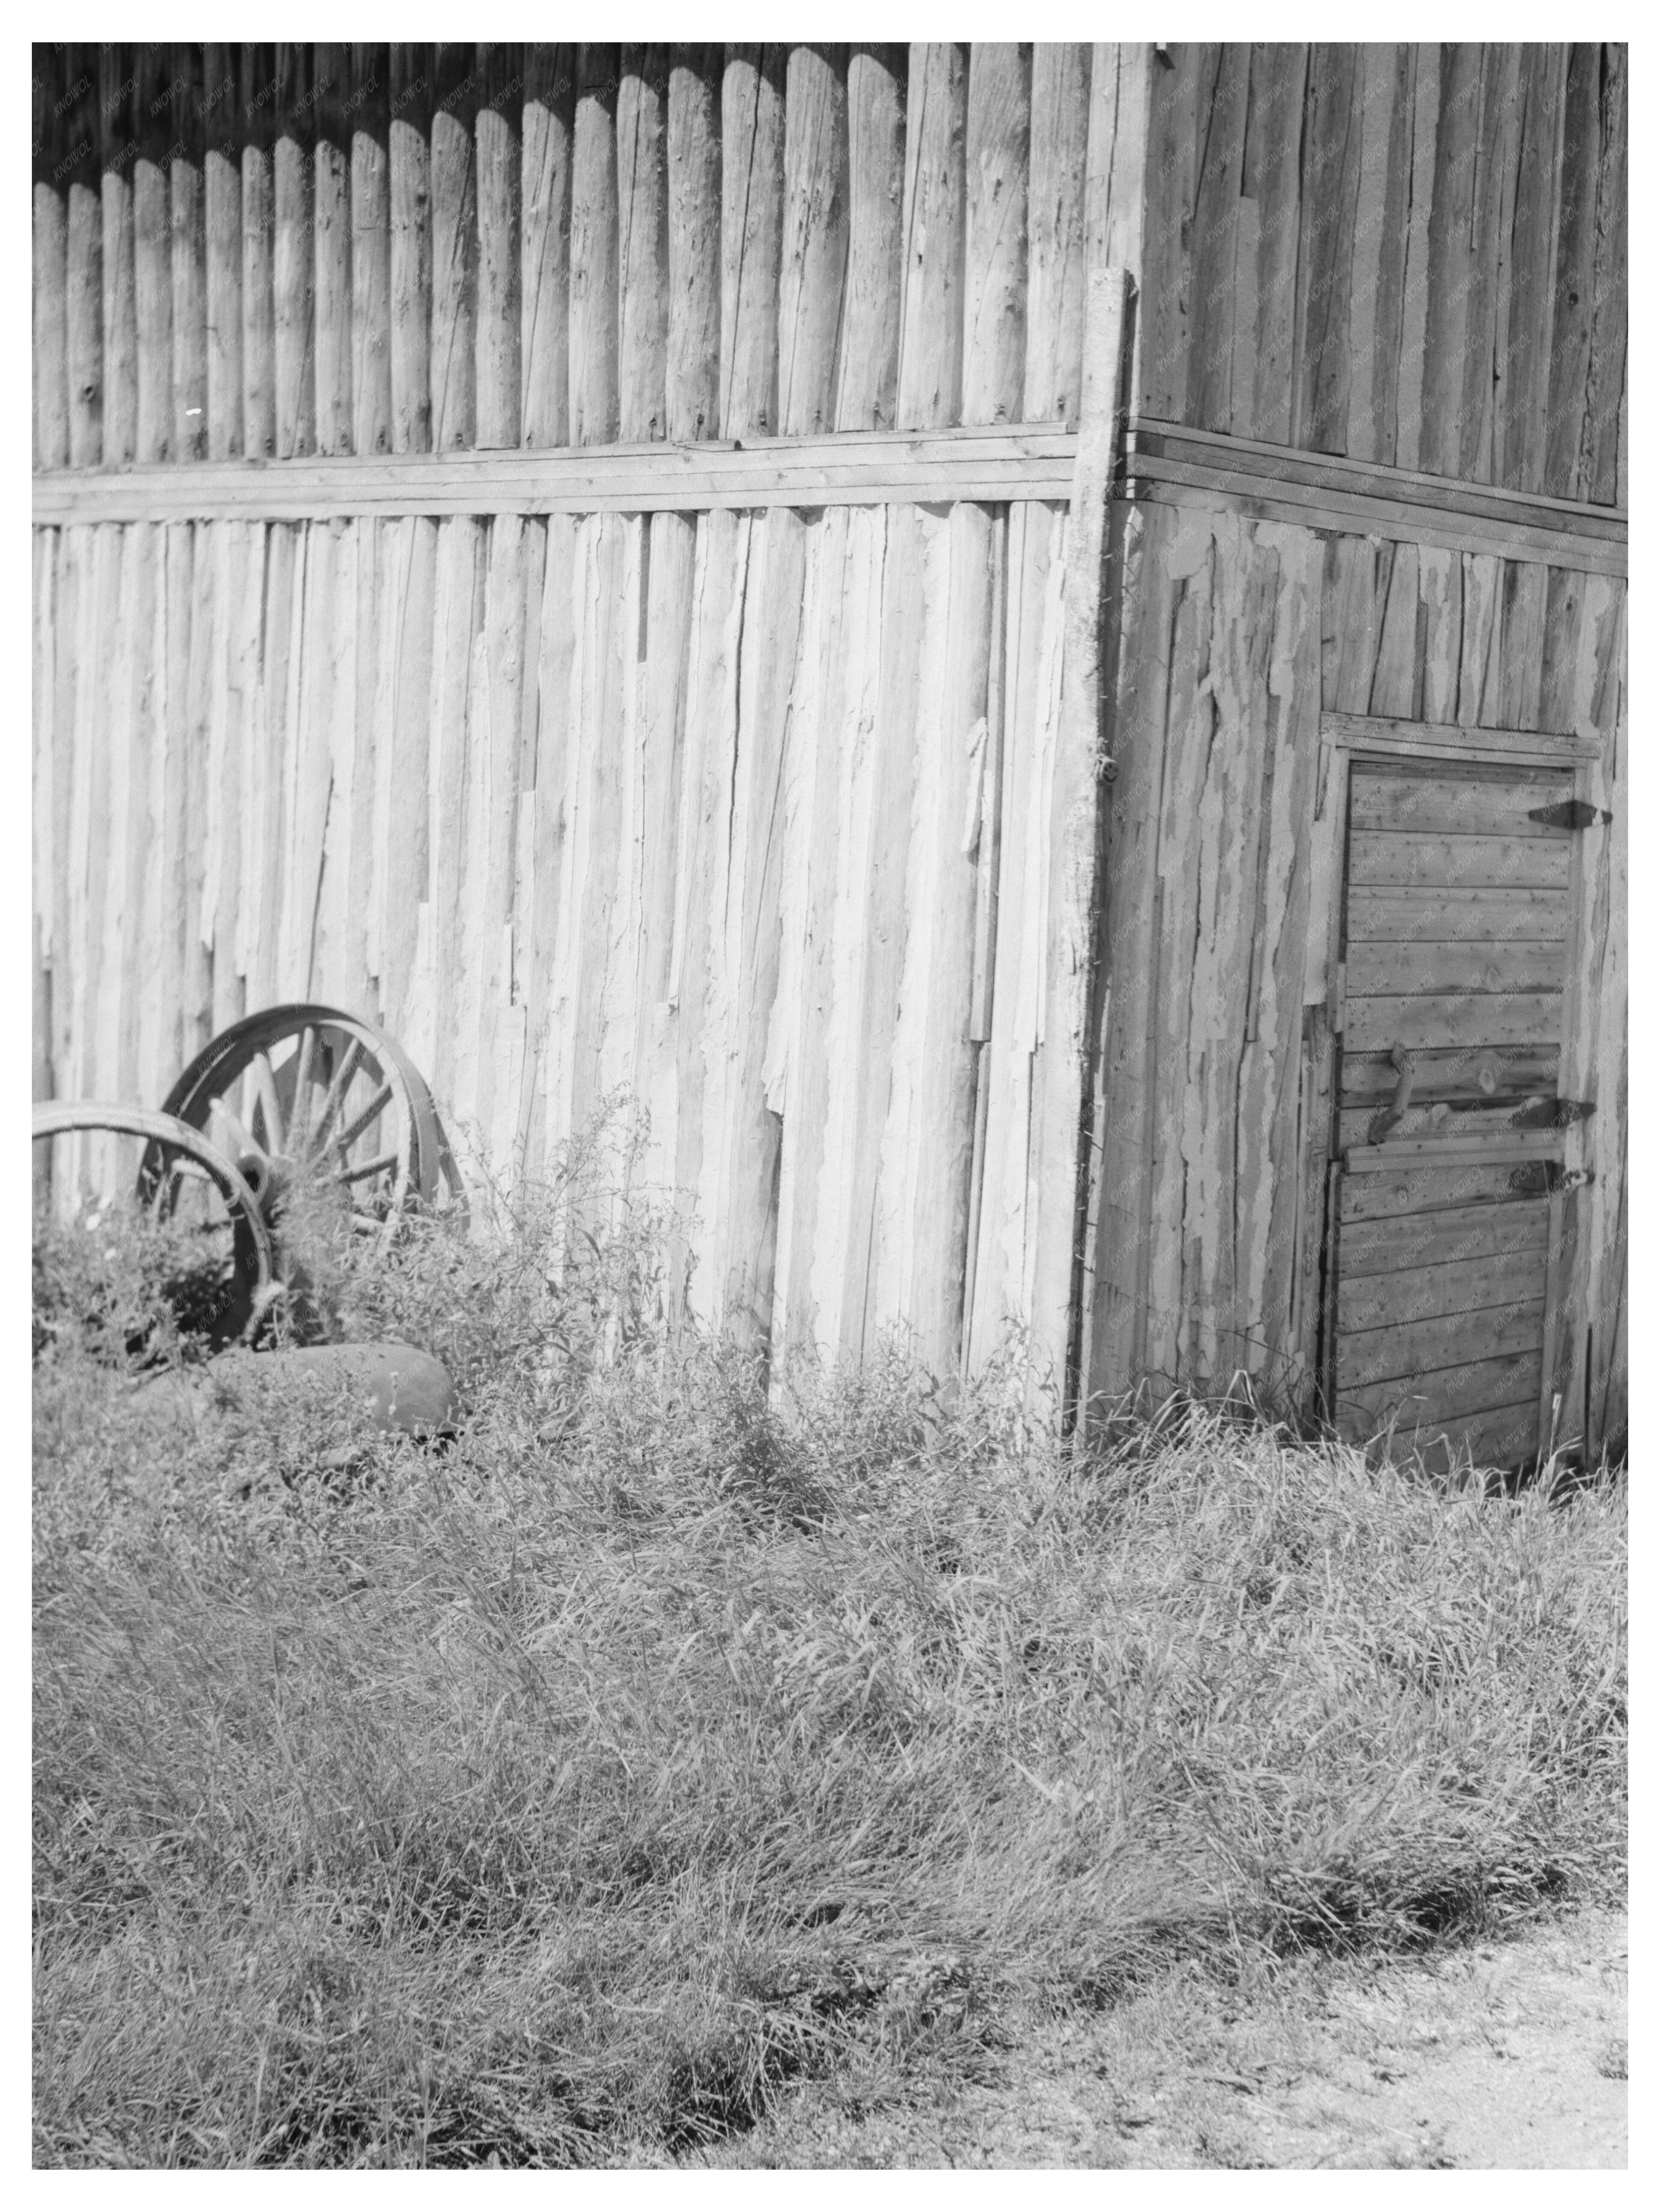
1456, 930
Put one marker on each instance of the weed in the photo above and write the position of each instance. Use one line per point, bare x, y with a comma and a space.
676, 1732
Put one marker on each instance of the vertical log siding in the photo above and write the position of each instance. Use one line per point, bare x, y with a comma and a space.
787, 823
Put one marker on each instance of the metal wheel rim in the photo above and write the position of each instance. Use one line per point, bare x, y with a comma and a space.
169, 1132
236, 1051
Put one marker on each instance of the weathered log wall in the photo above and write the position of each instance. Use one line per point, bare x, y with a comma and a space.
690, 806
785, 819
1408, 254
281, 249
749, 814
1225, 857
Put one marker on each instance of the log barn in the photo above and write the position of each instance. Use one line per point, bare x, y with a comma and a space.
1025, 645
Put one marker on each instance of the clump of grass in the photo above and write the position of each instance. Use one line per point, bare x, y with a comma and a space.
557, 1798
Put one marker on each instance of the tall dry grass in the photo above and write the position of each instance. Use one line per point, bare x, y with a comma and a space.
558, 1795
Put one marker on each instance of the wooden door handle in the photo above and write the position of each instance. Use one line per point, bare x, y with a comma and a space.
1405, 1064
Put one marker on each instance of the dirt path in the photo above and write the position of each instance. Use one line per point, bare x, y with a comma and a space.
1503, 2055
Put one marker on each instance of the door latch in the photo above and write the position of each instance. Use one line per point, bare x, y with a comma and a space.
1568, 814
1388, 1117
1551, 1112
1545, 1178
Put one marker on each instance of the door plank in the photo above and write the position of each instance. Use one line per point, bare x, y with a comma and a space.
1439, 967
1402, 914
1414, 1291
1424, 1189
1518, 1233
1443, 805
1463, 1018
1444, 1123
1435, 1400
1414, 1350
1518, 1072
1412, 913
1387, 856
1498, 1439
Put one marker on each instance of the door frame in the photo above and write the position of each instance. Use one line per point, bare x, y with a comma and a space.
1345, 739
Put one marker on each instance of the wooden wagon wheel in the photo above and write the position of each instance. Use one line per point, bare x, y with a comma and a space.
188, 1184
301, 1091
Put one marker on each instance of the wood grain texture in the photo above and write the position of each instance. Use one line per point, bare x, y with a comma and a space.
1072, 838
661, 678
1598, 477
257, 95
1271, 181
800, 1074
51, 412
1139, 716
1333, 145
1217, 204
331, 246
1412, 1409
998, 153
221, 180
752, 108
548, 127
931, 300
693, 370
593, 400
1409, 445
1055, 242
408, 163
119, 318
880, 916
78, 176
1456, 284
1382, 232
454, 363
1396, 1248
497, 152
718, 597
923, 1192
1587, 1361
878, 467
1418, 1351
867, 377
293, 263
815, 243
1494, 202
371, 251
642, 243
1182, 76
1525, 333
187, 233
743, 1198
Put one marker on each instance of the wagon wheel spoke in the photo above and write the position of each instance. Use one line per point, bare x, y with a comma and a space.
349, 1136
267, 1106
300, 1125
335, 1098
175, 1173
240, 1143
381, 1163
318, 1083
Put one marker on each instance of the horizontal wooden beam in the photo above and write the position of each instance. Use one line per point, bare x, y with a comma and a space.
853, 469
1374, 733
1325, 492
862, 468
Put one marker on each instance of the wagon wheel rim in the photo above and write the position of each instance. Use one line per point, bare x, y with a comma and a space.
179, 1153
304, 1090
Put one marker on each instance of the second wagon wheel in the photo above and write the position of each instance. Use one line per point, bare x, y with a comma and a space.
303, 1092
212, 1245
